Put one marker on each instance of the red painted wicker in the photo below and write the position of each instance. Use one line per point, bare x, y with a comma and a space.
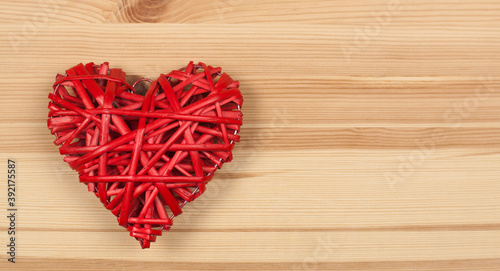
146, 156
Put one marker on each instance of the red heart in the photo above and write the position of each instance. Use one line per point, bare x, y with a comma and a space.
145, 157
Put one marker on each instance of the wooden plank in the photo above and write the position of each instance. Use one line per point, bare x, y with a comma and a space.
276, 251
382, 12
360, 150
392, 88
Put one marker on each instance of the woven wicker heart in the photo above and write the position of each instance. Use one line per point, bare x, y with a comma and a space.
146, 156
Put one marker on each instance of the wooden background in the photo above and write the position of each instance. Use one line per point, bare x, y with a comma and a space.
371, 137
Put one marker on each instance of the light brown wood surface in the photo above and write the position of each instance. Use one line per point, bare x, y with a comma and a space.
371, 136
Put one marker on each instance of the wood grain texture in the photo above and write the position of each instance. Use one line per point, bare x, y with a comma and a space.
370, 138
410, 12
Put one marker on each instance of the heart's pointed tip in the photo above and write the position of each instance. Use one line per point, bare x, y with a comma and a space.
144, 244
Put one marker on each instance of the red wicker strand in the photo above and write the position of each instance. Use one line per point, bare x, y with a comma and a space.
145, 157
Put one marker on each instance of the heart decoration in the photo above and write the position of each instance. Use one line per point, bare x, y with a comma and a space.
145, 157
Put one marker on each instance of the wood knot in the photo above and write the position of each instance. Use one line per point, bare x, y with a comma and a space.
140, 11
